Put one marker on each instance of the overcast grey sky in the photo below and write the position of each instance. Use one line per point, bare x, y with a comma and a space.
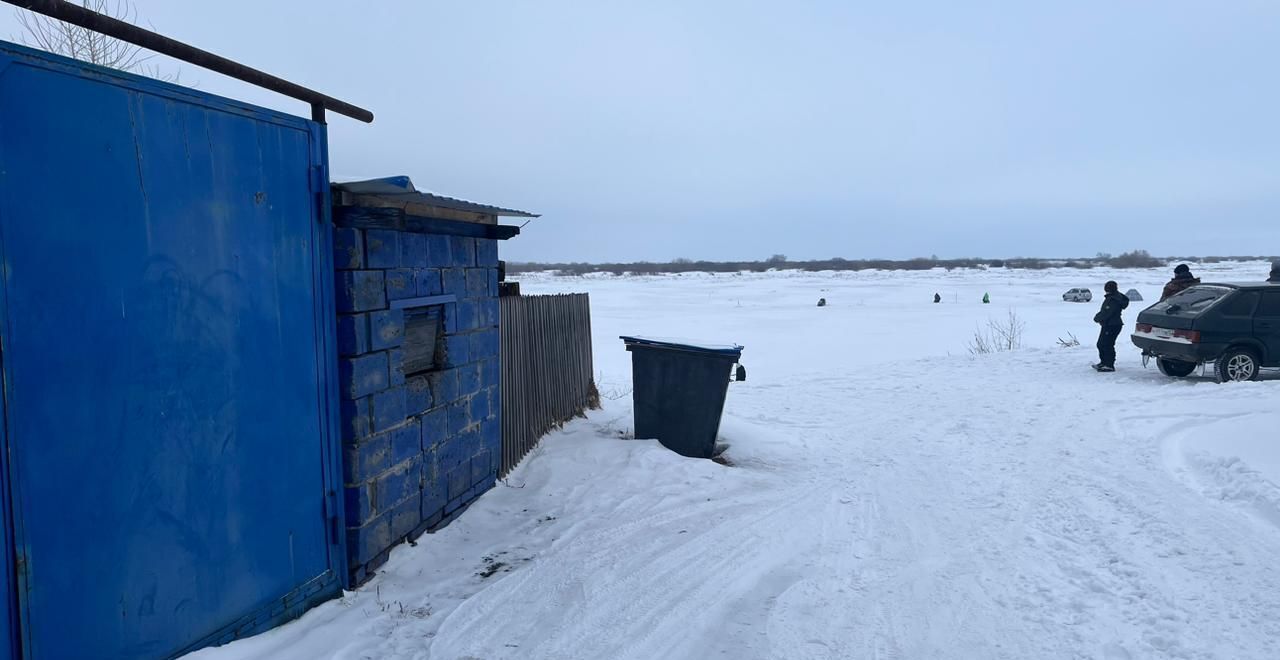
722, 129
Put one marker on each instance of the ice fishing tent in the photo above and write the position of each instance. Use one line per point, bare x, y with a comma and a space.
1133, 295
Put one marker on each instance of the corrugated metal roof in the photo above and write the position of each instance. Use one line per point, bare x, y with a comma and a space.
400, 189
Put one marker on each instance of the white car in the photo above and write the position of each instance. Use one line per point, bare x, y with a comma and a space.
1078, 295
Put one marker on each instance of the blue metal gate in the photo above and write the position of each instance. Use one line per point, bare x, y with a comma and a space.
168, 388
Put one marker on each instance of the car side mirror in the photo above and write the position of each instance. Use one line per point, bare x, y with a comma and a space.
740, 374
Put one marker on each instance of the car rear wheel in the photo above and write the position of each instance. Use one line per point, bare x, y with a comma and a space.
1237, 364
1175, 368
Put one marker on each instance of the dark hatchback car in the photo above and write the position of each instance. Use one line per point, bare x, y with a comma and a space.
1234, 326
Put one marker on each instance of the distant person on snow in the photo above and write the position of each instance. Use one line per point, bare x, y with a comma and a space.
1275, 272
1109, 318
937, 298
986, 298
822, 302
1182, 279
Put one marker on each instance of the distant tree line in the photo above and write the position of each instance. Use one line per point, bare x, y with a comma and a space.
1134, 259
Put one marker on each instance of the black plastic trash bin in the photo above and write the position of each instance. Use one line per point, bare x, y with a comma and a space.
679, 390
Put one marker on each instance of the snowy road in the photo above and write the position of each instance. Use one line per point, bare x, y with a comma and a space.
879, 506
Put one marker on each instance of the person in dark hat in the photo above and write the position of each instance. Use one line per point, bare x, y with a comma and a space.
1182, 279
1275, 272
1109, 318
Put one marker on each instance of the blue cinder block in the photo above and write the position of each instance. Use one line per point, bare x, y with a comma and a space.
469, 382
427, 281
359, 290
490, 316
382, 248
457, 350
386, 329
354, 419
435, 427
450, 318
361, 376
481, 466
477, 282
444, 386
464, 251
451, 454
434, 497
358, 504
459, 417
348, 249
401, 284
493, 282
399, 484
405, 517
365, 460
388, 409
353, 334
413, 251
418, 395
491, 436
395, 365
490, 371
454, 281
484, 344
487, 253
365, 543
459, 482
439, 251
495, 402
480, 407
406, 442
469, 315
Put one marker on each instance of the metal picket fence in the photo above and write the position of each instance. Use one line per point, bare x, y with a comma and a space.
546, 368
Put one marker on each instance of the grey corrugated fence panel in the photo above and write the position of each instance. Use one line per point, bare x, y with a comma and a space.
546, 368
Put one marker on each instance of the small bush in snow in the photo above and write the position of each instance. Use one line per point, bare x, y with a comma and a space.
1069, 342
999, 336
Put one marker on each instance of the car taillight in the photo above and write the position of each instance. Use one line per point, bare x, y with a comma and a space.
1145, 327
1192, 336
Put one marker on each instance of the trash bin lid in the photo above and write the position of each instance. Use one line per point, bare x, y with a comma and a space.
728, 350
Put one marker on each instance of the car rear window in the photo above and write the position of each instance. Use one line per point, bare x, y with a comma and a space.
1193, 300
1241, 304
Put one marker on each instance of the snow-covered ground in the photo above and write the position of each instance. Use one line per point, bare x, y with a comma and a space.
891, 496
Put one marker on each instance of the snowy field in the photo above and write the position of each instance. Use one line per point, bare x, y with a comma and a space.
891, 496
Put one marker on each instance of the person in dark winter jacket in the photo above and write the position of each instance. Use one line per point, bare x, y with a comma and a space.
1109, 318
1182, 279
1275, 272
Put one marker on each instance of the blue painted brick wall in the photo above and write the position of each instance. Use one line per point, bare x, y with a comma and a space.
457, 349
382, 248
359, 290
353, 334
387, 408
401, 284
413, 251
362, 375
477, 282
454, 281
487, 253
469, 381
386, 329
406, 442
354, 419
435, 427
463, 250
348, 249
459, 417
427, 281
415, 450
418, 396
